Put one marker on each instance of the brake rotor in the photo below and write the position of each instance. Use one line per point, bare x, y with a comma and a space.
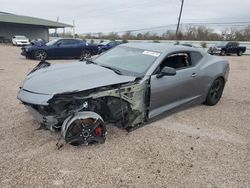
85, 131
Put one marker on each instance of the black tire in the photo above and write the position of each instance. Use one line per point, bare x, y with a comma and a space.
40, 55
86, 54
240, 53
215, 92
223, 53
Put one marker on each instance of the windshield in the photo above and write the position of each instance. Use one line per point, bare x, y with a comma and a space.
50, 43
129, 61
20, 37
105, 42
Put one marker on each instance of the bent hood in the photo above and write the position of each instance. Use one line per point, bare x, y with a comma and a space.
72, 77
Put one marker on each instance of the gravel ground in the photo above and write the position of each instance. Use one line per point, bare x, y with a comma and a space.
198, 147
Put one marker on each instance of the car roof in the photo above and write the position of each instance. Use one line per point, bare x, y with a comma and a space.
68, 39
159, 47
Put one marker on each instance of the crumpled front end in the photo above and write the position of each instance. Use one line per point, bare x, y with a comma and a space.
83, 99
123, 104
37, 105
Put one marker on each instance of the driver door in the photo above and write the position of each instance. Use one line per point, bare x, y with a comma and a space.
63, 48
169, 92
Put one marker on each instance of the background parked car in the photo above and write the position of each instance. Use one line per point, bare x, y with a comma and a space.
225, 48
38, 42
60, 48
20, 40
104, 46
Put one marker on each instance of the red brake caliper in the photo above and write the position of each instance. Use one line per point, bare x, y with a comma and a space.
99, 131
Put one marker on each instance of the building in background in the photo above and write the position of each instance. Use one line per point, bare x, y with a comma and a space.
12, 24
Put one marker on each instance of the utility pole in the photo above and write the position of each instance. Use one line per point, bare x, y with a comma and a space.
179, 19
57, 20
74, 32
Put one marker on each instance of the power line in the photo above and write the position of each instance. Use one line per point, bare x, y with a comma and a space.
193, 23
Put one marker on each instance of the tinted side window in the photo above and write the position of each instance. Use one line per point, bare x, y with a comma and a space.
195, 57
81, 42
236, 44
68, 42
177, 61
74, 41
232, 44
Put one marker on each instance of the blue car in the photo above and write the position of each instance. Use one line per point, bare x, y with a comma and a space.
60, 48
104, 46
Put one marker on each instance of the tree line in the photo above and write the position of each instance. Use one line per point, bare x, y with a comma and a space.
199, 33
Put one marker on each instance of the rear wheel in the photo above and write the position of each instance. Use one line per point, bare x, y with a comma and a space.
40, 55
240, 53
215, 92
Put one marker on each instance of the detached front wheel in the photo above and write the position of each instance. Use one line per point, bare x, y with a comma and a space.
84, 128
215, 92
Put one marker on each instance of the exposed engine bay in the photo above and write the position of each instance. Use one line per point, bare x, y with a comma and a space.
81, 116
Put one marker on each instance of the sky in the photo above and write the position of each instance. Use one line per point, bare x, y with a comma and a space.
122, 15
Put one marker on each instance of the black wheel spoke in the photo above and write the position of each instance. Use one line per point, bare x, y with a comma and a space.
95, 125
96, 139
75, 138
79, 124
214, 96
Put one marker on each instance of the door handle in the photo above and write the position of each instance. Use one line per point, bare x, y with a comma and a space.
194, 75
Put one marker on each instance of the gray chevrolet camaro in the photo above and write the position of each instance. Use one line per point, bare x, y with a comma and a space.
126, 86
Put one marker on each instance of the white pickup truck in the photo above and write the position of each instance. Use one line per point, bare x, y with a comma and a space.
20, 40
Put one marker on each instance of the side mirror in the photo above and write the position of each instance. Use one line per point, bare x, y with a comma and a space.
58, 44
166, 71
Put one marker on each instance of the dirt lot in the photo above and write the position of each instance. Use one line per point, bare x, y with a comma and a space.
199, 147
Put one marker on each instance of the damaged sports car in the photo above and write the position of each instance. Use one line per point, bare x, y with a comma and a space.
126, 86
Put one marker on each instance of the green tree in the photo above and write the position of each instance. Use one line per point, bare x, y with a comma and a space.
203, 45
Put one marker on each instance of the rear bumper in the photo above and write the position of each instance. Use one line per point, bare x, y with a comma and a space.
226, 73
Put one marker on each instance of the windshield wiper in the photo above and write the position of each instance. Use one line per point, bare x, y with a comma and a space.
88, 61
113, 69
